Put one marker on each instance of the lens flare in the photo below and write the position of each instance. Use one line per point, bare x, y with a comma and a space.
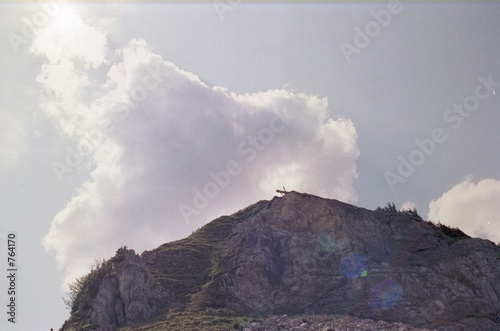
386, 294
353, 266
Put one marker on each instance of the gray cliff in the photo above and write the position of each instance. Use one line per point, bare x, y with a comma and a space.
307, 254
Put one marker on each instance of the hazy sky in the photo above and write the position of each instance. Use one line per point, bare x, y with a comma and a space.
136, 124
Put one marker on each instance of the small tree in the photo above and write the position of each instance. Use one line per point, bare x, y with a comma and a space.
85, 288
413, 214
389, 208
450, 231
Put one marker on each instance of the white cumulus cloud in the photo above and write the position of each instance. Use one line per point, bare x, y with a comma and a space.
169, 153
472, 207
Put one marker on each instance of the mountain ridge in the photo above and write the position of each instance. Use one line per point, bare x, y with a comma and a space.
299, 254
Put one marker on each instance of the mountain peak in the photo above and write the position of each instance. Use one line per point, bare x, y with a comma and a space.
299, 254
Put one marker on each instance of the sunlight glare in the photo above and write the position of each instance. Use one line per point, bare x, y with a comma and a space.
66, 19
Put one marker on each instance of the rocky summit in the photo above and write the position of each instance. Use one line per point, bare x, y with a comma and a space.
298, 262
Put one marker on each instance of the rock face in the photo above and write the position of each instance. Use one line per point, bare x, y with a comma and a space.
301, 254
306, 254
127, 294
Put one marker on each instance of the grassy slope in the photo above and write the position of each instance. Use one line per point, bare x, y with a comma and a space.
186, 267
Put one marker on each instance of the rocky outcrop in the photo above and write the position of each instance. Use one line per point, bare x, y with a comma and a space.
127, 294
305, 256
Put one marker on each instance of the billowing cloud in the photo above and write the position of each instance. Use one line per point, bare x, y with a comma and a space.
472, 207
169, 153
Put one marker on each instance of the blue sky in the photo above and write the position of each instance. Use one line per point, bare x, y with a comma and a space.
136, 124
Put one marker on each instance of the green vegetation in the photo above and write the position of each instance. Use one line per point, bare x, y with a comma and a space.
84, 289
81, 293
455, 233
390, 208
